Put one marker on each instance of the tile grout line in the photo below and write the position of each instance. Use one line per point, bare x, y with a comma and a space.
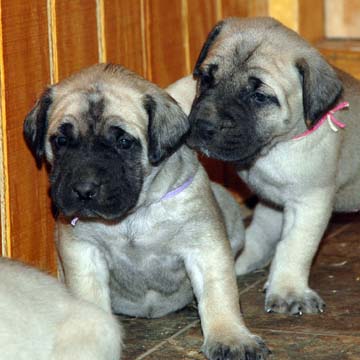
338, 231
302, 332
158, 346
251, 286
187, 327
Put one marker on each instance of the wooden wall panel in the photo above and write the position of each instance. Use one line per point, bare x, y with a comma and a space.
285, 11
311, 20
202, 16
76, 35
125, 34
258, 7
342, 18
242, 8
166, 40
26, 71
238, 8
343, 54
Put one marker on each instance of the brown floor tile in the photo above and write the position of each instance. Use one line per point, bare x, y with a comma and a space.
144, 334
185, 346
294, 346
284, 345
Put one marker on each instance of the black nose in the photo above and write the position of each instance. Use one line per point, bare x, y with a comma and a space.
205, 129
85, 190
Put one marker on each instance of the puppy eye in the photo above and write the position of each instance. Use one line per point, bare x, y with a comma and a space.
205, 80
61, 141
125, 143
121, 138
207, 76
259, 97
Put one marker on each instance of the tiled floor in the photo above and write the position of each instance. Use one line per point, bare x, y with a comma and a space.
333, 335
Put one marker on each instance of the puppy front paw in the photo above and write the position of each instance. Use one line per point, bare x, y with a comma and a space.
253, 348
294, 303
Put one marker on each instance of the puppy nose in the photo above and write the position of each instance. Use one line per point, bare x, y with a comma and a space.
206, 129
85, 190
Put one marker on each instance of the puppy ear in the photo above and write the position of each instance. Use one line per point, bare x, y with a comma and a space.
35, 126
321, 87
167, 126
207, 45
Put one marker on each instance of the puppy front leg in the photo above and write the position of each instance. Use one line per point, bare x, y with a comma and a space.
260, 239
214, 283
304, 224
85, 271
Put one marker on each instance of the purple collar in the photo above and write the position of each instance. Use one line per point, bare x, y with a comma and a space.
178, 190
168, 195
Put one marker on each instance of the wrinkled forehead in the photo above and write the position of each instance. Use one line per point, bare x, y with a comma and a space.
98, 109
240, 58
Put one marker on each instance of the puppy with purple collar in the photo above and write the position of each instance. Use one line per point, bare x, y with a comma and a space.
141, 228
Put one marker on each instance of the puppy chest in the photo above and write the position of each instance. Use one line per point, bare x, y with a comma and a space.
135, 274
271, 188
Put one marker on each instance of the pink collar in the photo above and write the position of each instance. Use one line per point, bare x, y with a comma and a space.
329, 117
168, 195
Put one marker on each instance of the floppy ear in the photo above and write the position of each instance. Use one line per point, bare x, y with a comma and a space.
35, 126
207, 45
321, 87
167, 126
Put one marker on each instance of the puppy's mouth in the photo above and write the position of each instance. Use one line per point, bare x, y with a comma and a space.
238, 157
83, 213
88, 212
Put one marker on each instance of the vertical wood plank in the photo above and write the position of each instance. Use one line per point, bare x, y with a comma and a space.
26, 71
202, 16
238, 8
258, 8
286, 11
5, 248
166, 40
76, 33
342, 18
124, 34
311, 20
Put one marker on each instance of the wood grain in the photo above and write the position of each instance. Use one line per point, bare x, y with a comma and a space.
311, 20
26, 69
258, 8
342, 19
125, 35
76, 35
344, 54
286, 11
166, 40
202, 16
239, 8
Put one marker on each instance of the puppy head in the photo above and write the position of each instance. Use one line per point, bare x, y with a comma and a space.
102, 131
258, 83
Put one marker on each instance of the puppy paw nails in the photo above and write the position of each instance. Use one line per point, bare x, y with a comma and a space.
253, 350
309, 302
